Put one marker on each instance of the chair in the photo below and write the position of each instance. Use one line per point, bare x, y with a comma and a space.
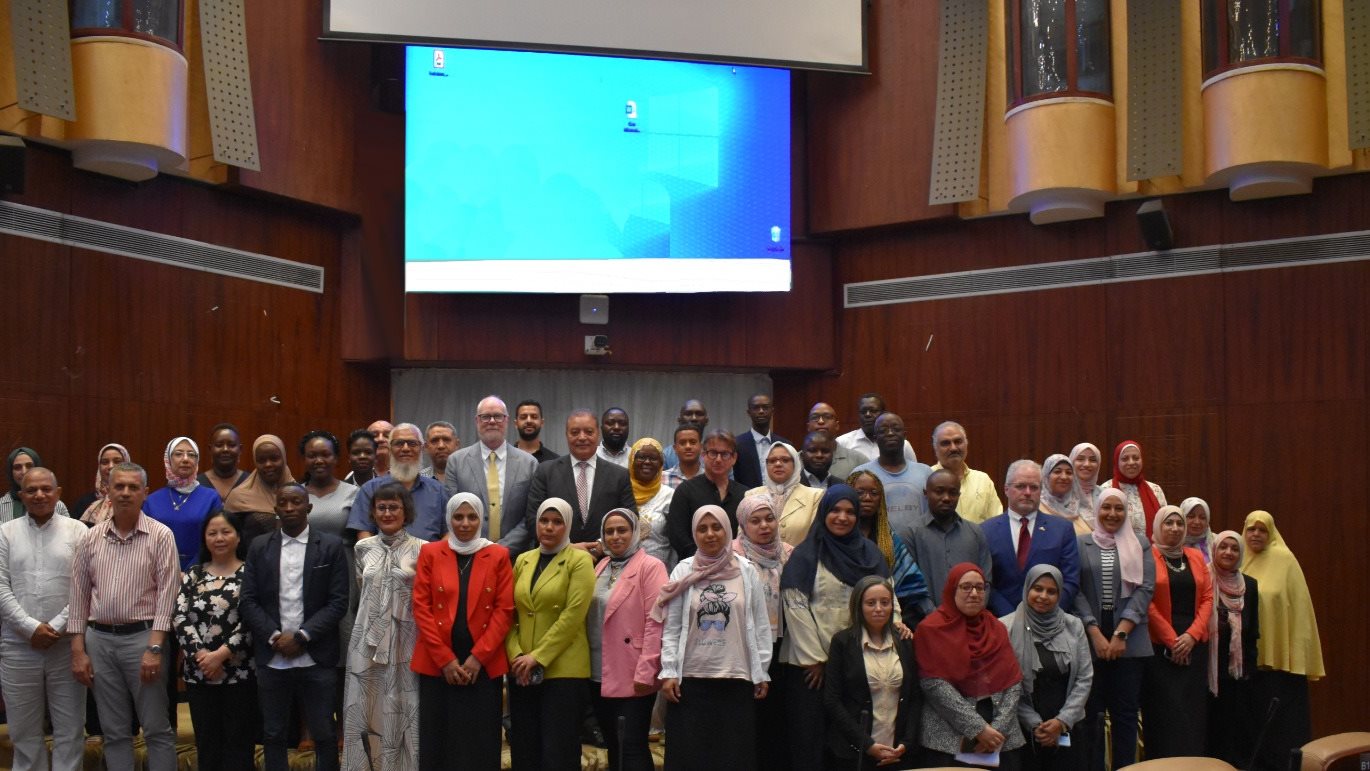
1322, 754
1181, 764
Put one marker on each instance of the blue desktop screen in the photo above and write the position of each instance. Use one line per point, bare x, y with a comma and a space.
540, 172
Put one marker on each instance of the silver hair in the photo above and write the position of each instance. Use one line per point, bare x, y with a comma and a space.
418, 433
130, 467
942, 425
43, 469
502, 405
1020, 463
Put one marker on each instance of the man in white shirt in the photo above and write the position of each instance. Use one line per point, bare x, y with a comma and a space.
613, 430
35, 657
869, 407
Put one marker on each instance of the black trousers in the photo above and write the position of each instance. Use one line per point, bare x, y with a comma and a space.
804, 714
311, 690
545, 720
712, 727
225, 722
459, 725
1175, 706
636, 712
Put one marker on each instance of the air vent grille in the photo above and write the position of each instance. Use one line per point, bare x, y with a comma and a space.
1253, 255
45, 225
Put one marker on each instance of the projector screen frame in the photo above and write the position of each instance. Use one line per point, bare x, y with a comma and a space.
332, 35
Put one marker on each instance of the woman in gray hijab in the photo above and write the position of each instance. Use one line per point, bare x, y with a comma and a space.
1053, 654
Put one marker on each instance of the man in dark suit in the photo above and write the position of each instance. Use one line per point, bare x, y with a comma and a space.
494, 470
1023, 536
591, 485
753, 445
712, 487
816, 455
294, 595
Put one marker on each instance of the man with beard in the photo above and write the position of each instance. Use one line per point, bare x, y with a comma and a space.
440, 441
869, 407
903, 479
816, 455
528, 422
496, 473
692, 413
754, 444
822, 417
946, 540
224, 450
380, 431
613, 445
979, 501
430, 502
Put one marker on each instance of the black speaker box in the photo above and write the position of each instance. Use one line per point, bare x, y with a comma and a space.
11, 165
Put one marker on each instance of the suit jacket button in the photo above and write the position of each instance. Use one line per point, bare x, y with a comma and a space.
440, 606
482, 626
629, 640
440, 588
488, 589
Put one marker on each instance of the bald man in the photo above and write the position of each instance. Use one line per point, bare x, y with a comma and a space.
979, 500
380, 431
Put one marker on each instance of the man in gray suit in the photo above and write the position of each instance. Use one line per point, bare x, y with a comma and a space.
496, 472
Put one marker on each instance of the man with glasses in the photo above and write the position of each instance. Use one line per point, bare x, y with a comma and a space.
711, 487
1023, 536
430, 502
823, 418
903, 479
499, 474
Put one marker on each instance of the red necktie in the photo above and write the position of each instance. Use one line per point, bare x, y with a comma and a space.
1024, 542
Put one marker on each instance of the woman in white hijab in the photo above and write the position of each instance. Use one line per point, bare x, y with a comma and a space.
463, 608
793, 504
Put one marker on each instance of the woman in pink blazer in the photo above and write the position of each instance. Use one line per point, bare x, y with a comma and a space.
625, 643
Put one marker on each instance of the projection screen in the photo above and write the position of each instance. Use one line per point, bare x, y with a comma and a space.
805, 34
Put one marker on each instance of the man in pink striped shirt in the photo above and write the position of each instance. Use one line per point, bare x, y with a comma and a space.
125, 576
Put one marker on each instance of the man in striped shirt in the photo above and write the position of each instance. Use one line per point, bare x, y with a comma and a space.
125, 576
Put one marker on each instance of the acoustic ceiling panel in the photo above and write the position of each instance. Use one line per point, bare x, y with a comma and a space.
1154, 143
228, 81
42, 57
959, 125
1357, 26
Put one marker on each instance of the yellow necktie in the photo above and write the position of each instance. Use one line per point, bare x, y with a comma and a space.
493, 496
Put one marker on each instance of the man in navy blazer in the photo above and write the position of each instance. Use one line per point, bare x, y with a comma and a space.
1051, 541
754, 444
294, 595
468, 471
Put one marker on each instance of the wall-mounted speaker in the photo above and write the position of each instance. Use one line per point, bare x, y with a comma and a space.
11, 165
1155, 226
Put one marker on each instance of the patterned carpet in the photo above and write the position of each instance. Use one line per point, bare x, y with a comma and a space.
592, 758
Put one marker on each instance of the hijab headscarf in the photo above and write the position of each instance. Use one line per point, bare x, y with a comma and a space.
849, 557
102, 508
780, 491
466, 548
1086, 490
643, 493
1125, 541
972, 653
564, 509
1166, 512
766, 556
884, 537
720, 567
1230, 588
1065, 506
180, 484
1204, 541
15, 483
632, 544
1027, 627
1289, 628
1149, 502
254, 494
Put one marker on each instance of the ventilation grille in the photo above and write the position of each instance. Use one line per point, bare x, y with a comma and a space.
44, 225
1253, 255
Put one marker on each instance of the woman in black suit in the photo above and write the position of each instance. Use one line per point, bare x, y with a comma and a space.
871, 669
1233, 709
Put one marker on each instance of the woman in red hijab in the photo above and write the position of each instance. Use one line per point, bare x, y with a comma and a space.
970, 675
1144, 498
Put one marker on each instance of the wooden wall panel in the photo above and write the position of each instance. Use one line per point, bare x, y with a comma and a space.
869, 136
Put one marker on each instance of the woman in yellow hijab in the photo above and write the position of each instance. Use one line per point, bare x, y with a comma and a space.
1289, 653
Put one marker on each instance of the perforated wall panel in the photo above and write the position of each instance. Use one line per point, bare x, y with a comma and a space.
957, 132
1357, 25
228, 81
42, 57
1154, 96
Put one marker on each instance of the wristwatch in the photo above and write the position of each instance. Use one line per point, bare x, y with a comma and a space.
155, 650
1120, 634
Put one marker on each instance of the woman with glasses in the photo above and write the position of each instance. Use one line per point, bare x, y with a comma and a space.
969, 674
184, 503
794, 504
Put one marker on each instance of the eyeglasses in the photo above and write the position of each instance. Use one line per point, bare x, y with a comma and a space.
185, 455
718, 454
405, 443
389, 508
492, 417
970, 588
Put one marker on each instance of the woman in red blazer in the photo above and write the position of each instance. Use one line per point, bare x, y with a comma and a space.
625, 641
463, 608
1175, 685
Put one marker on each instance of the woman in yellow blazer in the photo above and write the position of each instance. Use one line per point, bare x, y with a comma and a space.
793, 504
549, 655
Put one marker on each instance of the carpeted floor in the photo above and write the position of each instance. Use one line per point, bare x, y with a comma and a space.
591, 757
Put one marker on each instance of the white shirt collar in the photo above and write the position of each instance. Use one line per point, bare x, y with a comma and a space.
575, 462
498, 451
303, 537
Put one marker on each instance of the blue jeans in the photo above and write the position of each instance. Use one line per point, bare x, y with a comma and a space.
312, 689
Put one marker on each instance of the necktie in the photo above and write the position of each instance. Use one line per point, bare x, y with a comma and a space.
1024, 542
583, 490
492, 494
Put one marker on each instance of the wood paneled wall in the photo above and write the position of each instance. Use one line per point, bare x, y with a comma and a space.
1248, 389
105, 348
